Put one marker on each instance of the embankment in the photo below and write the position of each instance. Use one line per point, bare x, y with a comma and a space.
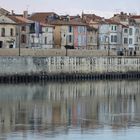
27, 68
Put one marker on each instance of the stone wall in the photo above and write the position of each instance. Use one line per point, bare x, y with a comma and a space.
54, 52
60, 52
67, 65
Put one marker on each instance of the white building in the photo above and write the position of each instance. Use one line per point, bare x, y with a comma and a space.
110, 35
131, 30
22, 30
134, 35
41, 35
47, 36
8, 35
131, 37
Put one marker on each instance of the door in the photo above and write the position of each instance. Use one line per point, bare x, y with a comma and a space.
1, 43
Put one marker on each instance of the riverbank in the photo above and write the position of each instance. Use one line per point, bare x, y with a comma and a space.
21, 68
40, 52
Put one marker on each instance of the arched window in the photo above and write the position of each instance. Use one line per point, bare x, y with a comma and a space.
3, 32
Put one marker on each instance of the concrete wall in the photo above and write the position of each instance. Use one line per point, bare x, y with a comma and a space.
67, 65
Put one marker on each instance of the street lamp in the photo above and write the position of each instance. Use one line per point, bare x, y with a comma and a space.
19, 40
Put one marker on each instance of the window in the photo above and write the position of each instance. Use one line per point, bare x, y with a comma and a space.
91, 39
47, 30
125, 40
11, 32
137, 31
70, 29
81, 29
3, 32
112, 28
70, 38
23, 38
45, 40
23, 28
114, 38
130, 31
106, 38
137, 39
130, 41
125, 30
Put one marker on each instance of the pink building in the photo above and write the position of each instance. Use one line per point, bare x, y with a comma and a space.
80, 36
73, 33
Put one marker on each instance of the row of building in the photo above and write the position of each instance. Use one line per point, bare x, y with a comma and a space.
50, 30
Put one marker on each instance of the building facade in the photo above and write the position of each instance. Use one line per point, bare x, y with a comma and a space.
8, 36
92, 35
109, 35
70, 33
41, 35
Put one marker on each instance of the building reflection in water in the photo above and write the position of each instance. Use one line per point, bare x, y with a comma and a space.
53, 108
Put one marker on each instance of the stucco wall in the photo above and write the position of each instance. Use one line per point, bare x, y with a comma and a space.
67, 65
57, 36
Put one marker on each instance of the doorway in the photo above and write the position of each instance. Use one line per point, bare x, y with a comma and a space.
1, 43
11, 46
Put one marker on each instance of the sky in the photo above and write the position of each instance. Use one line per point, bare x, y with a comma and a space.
104, 8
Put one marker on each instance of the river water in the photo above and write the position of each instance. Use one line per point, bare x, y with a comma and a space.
85, 110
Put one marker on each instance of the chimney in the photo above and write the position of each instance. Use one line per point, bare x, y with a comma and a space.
25, 14
122, 13
12, 12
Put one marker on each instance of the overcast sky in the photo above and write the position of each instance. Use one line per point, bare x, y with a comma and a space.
100, 7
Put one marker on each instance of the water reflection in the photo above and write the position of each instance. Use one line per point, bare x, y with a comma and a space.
59, 109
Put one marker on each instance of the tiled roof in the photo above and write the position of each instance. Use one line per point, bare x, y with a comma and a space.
71, 22
46, 25
136, 17
41, 17
89, 17
20, 20
109, 21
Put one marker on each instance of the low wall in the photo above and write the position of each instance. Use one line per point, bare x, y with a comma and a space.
54, 52
67, 65
60, 52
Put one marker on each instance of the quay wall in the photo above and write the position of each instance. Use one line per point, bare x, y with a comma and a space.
21, 65
54, 52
